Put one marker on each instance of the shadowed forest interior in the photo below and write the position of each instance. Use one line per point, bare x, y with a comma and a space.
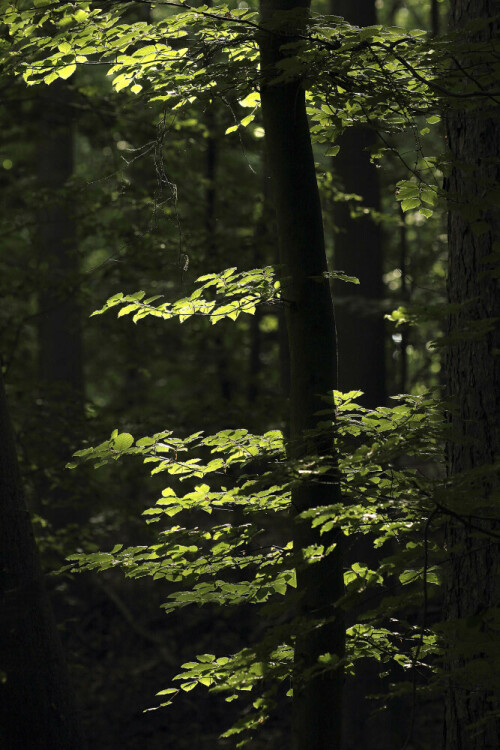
250, 384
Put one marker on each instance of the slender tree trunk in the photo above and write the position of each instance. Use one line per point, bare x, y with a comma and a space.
311, 330
212, 157
60, 351
405, 296
263, 242
434, 17
473, 375
60, 355
358, 251
36, 704
255, 358
140, 172
361, 341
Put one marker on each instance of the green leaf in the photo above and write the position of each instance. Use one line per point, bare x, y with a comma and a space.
410, 203
48, 79
123, 441
80, 15
205, 658
429, 196
340, 276
252, 100
67, 71
126, 310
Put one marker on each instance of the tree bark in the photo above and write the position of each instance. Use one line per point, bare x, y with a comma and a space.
36, 704
434, 17
358, 251
405, 296
60, 350
264, 243
316, 720
473, 379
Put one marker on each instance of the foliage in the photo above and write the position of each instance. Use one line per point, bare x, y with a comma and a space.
234, 547
239, 292
248, 559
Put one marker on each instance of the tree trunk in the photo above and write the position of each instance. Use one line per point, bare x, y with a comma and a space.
434, 17
473, 377
60, 355
358, 251
60, 351
36, 704
405, 296
311, 330
361, 342
264, 241
212, 158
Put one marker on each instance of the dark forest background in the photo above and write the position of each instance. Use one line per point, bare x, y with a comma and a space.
104, 192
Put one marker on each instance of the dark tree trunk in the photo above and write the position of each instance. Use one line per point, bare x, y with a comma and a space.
60, 351
311, 331
473, 376
264, 241
434, 17
60, 356
358, 251
36, 704
255, 358
405, 296
361, 343
212, 157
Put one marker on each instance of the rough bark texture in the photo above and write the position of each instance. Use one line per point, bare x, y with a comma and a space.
473, 374
36, 705
358, 251
311, 330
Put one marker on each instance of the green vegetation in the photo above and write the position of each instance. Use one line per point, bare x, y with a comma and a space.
331, 510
